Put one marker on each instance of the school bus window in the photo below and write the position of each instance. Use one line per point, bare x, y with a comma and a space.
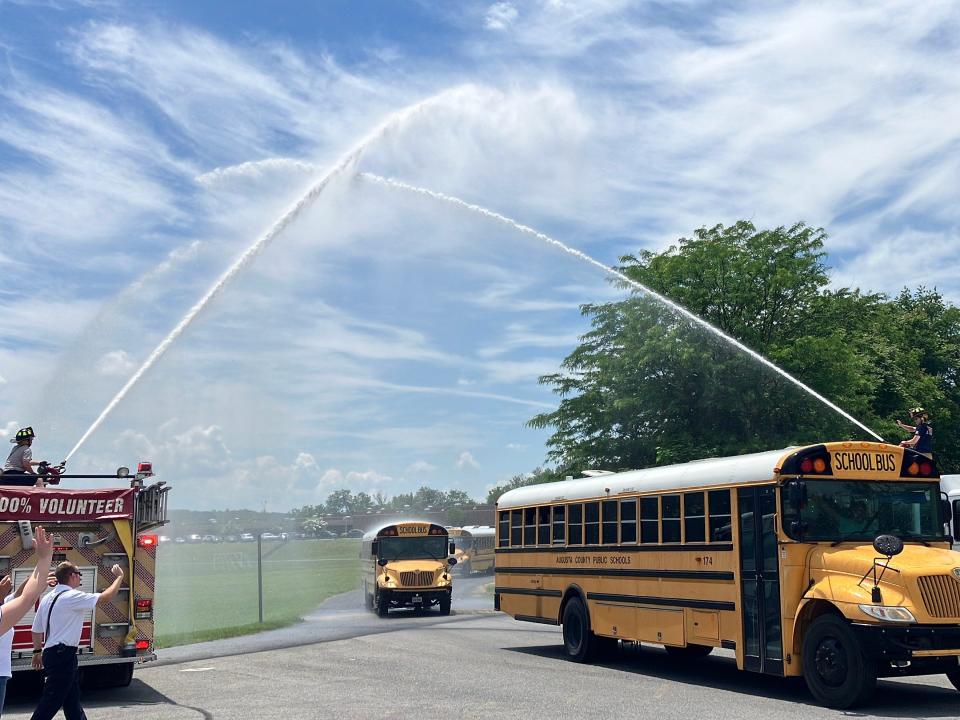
516, 528
670, 523
720, 530
591, 524
628, 521
649, 520
575, 524
694, 517
504, 529
609, 534
559, 525
530, 526
543, 525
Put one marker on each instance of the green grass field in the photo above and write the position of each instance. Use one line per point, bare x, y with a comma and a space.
205, 592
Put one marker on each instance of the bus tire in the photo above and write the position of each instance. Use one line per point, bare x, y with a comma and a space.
383, 604
954, 677
445, 603
367, 598
579, 642
690, 652
834, 667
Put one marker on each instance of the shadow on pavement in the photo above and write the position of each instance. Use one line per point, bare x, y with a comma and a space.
906, 698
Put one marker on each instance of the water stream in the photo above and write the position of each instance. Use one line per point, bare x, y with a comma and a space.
391, 124
665, 301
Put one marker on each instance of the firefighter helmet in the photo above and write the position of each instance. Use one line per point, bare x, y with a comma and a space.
23, 434
917, 411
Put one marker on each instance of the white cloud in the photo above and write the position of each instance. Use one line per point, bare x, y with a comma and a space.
420, 467
466, 461
500, 16
116, 363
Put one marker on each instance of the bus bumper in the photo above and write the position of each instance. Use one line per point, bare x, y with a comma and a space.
417, 598
912, 649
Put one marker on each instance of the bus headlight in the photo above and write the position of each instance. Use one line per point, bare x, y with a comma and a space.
888, 613
388, 581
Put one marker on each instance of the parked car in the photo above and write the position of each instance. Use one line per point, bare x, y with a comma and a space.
270, 536
354, 533
211, 538
194, 538
231, 538
179, 540
326, 535
164, 538
246, 537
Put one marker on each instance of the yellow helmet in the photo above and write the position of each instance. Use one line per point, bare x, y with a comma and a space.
23, 434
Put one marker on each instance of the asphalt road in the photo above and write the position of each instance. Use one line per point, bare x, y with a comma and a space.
345, 663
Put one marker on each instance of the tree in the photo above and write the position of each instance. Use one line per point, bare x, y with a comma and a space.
539, 475
645, 386
340, 502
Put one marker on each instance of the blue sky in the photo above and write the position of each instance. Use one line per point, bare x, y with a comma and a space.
383, 341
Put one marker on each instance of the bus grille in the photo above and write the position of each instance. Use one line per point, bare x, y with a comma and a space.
941, 595
416, 578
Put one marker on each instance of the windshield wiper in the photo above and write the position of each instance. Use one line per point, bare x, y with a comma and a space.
916, 538
849, 536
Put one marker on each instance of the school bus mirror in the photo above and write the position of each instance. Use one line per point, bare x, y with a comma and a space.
374, 548
795, 492
945, 513
888, 545
451, 561
956, 520
452, 549
382, 562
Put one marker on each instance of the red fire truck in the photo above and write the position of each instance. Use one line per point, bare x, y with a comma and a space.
95, 529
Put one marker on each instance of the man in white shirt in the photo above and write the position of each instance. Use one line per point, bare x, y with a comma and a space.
57, 626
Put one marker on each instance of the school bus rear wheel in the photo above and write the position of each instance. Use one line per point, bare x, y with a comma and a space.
834, 666
579, 643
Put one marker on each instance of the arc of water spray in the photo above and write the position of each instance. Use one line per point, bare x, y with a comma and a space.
679, 309
347, 161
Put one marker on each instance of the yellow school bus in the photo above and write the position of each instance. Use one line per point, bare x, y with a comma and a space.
473, 548
406, 564
830, 562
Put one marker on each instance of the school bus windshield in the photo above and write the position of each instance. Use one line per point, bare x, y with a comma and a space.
427, 547
837, 510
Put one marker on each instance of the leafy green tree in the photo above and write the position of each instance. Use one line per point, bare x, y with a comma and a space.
646, 386
538, 476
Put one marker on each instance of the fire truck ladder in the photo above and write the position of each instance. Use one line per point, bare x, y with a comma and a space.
151, 506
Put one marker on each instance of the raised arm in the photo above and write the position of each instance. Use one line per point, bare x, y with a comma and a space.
108, 594
14, 610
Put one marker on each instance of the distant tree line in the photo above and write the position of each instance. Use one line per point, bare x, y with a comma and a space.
645, 387
345, 502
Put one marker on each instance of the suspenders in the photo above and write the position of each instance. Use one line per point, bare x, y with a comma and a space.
50, 612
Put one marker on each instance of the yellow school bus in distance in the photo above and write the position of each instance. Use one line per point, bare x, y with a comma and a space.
406, 564
830, 562
473, 548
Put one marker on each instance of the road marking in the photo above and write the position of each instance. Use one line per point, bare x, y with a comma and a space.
196, 669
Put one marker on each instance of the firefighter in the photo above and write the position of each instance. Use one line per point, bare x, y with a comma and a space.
922, 440
18, 470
